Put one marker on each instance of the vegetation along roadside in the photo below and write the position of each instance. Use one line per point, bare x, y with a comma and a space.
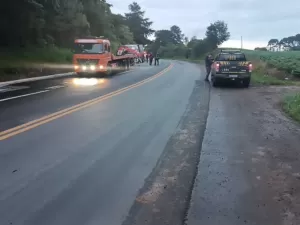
43, 44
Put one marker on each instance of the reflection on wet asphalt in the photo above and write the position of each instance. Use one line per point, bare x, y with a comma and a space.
88, 167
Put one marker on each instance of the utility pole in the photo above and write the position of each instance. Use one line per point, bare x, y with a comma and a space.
241, 42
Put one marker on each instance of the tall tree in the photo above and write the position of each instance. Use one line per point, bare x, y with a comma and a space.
164, 37
65, 21
138, 24
217, 33
121, 30
178, 36
274, 44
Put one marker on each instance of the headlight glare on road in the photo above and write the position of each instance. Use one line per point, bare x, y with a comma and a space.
85, 81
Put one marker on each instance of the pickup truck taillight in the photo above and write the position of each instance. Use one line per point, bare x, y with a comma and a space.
217, 67
250, 67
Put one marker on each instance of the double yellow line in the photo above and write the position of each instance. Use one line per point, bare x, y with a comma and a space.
46, 119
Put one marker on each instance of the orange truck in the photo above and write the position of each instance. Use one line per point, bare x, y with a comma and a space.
93, 55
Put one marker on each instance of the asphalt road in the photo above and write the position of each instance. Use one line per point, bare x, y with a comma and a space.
152, 146
87, 167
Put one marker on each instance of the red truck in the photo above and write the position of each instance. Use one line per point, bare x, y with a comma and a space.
136, 49
93, 55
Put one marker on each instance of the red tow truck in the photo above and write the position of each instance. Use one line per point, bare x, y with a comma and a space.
136, 49
93, 55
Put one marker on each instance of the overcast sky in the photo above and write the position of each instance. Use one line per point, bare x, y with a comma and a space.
256, 20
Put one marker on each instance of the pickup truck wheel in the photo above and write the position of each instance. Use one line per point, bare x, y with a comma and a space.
215, 82
246, 82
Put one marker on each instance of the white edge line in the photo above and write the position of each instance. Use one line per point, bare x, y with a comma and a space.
44, 78
35, 78
21, 96
55, 87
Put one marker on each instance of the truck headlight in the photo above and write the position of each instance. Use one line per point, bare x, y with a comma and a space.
92, 67
83, 67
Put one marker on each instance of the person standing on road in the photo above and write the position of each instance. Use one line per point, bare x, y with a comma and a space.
208, 63
156, 59
150, 58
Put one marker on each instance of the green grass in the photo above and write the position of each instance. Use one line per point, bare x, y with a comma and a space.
260, 78
15, 58
291, 106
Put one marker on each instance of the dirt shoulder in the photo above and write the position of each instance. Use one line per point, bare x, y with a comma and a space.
249, 170
281, 152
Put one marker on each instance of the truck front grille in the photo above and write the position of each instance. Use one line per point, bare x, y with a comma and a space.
87, 61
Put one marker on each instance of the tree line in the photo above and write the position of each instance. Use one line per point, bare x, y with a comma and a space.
29, 23
56, 23
173, 43
291, 43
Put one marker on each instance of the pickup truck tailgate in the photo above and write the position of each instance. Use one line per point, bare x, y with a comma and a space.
234, 66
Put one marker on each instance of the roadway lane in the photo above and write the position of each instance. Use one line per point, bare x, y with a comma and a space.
88, 167
36, 99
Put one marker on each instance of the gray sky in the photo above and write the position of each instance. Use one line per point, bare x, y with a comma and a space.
256, 20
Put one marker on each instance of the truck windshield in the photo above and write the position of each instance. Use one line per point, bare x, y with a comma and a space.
231, 57
88, 48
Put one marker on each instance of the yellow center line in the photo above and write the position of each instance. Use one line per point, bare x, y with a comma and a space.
46, 119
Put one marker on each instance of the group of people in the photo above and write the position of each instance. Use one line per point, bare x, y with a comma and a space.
150, 57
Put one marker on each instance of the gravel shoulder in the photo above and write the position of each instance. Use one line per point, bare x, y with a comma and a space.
249, 171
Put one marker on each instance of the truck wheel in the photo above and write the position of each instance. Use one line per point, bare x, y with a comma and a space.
246, 82
79, 74
109, 71
127, 64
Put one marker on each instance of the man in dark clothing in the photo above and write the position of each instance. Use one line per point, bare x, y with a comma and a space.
156, 62
208, 62
150, 58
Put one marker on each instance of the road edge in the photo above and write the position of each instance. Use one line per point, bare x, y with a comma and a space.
165, 197
36, 78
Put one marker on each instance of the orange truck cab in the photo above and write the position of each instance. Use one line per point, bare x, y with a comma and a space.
93, 55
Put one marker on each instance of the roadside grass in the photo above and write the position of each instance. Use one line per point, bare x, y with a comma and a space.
12, 58
31, 62
265, 75
263, 79
291, 106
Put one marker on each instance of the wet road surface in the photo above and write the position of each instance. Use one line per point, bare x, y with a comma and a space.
132, 157
24, 102
88, 167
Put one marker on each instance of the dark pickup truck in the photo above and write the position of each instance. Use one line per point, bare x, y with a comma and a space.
231, 66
